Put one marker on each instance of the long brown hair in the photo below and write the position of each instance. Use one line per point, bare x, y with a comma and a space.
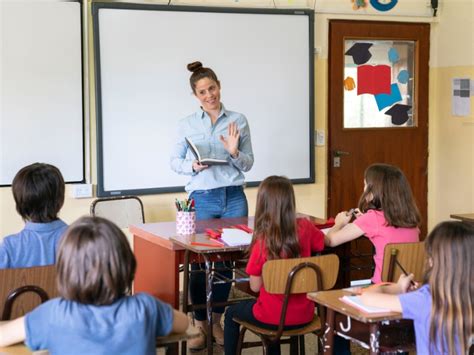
450, 248
199, 72
275, 218
388, 190
95, 263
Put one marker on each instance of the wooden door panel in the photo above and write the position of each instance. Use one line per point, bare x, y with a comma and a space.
405, 147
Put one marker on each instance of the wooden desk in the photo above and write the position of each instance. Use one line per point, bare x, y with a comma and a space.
357, 330
467, 217
21, 349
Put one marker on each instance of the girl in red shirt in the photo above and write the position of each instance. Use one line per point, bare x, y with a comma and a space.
277, 234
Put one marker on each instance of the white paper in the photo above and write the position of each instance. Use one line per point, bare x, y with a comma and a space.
460, 100
235, 237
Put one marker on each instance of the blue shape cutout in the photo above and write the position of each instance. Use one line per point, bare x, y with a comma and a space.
380, 6
385, 100
393, 56
403, 76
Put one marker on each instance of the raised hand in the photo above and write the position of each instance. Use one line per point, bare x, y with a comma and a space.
231, 143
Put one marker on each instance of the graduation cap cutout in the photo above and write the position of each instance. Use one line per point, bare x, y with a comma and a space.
360, 53
399, 113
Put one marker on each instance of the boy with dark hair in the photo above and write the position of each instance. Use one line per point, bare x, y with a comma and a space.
38, 190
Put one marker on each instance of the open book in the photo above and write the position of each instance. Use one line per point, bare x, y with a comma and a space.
355, 301
236, 237
203, 161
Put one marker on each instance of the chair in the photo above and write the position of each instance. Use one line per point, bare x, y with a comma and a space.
410, 255
290, 276
123, 211
23, 289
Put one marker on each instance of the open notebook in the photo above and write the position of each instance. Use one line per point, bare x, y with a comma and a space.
356, 301
235, 237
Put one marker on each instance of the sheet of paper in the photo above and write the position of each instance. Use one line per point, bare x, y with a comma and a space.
461, 102
235, 237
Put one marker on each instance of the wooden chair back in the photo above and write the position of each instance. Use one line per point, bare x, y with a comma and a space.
411, 256
23, 289
123, 211
276, 273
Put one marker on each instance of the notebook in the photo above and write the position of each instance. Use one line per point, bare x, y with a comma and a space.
235, 237
355, 301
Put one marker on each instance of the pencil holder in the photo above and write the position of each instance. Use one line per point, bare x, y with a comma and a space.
185, 222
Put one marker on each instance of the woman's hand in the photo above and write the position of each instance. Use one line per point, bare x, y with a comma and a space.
231, 143
197, 167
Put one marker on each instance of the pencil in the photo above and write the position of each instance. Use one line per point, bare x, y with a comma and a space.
404, 271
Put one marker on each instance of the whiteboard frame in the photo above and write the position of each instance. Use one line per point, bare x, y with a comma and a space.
84, 135
96, 6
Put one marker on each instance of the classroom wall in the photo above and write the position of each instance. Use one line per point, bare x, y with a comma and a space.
451, 161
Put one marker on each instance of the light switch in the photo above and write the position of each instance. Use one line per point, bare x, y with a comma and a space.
320, 138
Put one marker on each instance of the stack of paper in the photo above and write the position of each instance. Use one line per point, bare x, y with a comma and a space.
235, 237
355, 301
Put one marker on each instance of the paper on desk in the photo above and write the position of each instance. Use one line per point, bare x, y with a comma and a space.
234, 237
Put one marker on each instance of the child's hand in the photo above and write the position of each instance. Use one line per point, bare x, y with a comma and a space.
357, 213
404, 282
342, 219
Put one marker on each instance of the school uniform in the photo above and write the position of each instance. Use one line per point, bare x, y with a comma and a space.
128, 326
35, 245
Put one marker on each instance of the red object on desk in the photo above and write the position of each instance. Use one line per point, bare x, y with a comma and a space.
216, 233
214, 244
328, 224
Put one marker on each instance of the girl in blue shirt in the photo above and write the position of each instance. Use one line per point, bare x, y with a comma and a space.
95, 313
217, 190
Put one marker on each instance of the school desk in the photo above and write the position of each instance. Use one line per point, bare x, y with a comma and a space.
21, 349
375, 331
467, 217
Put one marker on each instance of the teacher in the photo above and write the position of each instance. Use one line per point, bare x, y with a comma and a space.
217, 190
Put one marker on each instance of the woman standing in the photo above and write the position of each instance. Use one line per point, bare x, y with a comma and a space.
217, 190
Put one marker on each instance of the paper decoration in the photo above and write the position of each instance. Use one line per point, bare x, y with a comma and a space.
403, 77
393, 56
385, 100
358, 4
399, 113
373, 79
349, 83
383, 5
461, 102
360, 52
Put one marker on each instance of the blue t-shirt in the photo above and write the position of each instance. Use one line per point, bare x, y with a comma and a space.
35, 245
416, 305
128, 326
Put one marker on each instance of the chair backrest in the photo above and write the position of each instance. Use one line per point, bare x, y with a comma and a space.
23, 289
410, 255
276, 274
123, 211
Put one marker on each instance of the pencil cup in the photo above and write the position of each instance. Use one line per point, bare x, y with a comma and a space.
185, 222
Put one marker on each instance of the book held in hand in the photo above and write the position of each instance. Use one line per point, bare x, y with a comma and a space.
201, 160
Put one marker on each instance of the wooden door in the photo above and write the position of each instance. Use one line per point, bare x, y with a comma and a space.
358, 147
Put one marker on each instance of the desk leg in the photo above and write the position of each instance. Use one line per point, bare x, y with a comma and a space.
157, 271
374, 338
328, 337
208, 302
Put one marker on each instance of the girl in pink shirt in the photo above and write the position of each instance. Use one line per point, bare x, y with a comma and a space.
387, 214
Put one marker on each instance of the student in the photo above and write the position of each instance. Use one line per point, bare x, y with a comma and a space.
441, 309
277, 234
95, 314
38, 190
217, 190
387, 214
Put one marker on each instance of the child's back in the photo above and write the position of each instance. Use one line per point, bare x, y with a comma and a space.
128, 326
38, 190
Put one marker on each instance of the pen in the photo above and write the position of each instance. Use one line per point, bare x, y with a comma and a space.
404, 271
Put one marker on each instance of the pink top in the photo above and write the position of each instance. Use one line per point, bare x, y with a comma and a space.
268, 307
375, 228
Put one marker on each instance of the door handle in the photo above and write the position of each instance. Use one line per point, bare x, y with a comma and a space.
338, 153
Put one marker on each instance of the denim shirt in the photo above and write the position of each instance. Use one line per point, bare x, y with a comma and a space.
205, 136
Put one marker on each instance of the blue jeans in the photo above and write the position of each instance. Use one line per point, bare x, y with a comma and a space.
224, 202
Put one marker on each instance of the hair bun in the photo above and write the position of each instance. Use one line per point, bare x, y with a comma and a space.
194, 66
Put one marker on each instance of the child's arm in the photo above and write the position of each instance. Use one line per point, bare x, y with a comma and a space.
12, 332
180, 322
343, 231
255, 283
386, 296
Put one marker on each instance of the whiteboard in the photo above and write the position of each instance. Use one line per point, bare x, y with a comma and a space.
263, 58
41, 114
